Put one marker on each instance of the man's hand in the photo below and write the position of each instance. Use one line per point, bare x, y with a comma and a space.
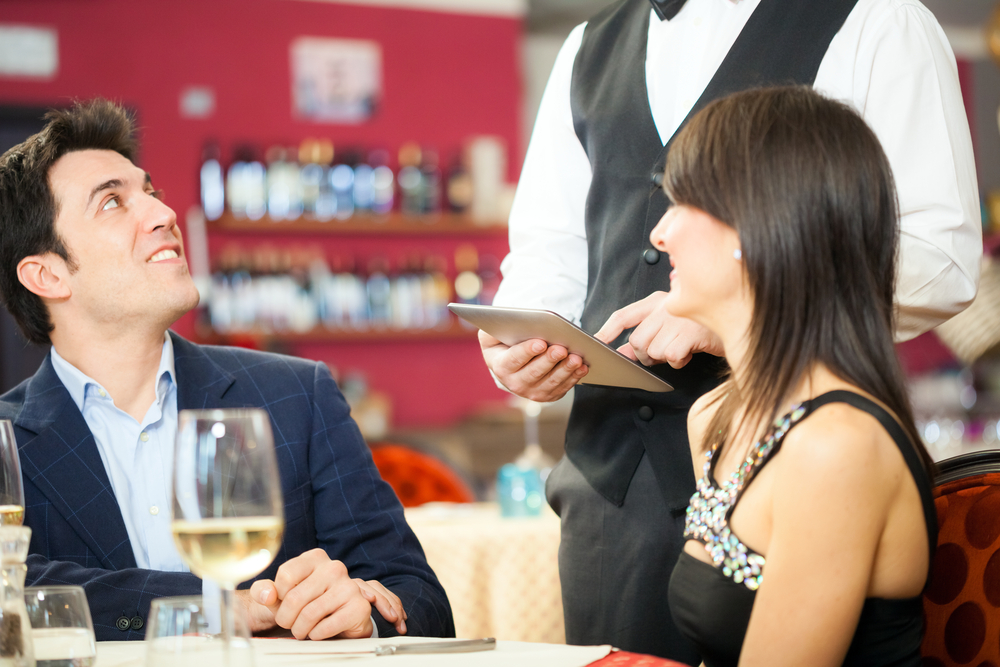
314, 597
387, 602
533, 369
658, 336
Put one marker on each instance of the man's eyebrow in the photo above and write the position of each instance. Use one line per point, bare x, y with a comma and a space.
107, 185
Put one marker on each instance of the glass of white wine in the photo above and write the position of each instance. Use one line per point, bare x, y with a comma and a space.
227, 516
11, 489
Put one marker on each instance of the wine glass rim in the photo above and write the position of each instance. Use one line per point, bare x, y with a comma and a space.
178, 599
50, 590
223, 413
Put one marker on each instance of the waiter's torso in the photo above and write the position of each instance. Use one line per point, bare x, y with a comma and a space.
782, 42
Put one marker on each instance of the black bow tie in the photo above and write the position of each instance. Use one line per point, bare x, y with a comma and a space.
667, 9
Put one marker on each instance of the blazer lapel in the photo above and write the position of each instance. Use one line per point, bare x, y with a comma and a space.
61, 459
201, 383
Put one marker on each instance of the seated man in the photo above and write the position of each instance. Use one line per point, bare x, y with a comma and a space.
92, 262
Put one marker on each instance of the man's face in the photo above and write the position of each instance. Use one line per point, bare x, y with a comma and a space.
130, 268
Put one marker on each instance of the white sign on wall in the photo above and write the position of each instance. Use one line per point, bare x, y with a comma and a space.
335, 80
28, 51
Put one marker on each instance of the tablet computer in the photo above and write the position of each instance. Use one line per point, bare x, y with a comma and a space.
608, 367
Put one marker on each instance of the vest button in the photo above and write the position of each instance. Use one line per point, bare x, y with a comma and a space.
123, 623
645, 413
136, 623
651, 255
657, 178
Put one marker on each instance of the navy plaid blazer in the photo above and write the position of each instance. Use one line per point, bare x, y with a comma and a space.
334, 496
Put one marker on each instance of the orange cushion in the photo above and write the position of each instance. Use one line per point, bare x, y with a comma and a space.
419, 478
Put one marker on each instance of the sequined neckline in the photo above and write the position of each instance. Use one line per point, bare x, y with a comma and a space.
707, 517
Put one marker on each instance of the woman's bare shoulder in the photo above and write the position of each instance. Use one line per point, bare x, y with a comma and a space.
843, 442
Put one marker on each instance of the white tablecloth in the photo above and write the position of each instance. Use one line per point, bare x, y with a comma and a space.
501, 575
522, 654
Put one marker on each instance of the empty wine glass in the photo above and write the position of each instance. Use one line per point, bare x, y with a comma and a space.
227, 518
11, 490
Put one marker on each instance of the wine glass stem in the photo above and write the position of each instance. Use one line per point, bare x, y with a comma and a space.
228, 614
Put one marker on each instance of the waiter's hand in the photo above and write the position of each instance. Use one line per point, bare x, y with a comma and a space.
533, 369
658, 336
315, 597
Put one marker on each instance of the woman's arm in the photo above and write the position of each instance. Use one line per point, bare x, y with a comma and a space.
833, 483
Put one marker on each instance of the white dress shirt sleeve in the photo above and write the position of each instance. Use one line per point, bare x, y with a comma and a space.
547, 263
905, 84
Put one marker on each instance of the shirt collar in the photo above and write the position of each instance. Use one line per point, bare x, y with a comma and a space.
76, 381
667, 9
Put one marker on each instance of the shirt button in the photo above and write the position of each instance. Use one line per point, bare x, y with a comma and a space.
651, 255
102, 394
154, 510
645, 413
697, 21
144, 436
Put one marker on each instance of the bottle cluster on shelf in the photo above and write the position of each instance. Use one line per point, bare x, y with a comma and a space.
312, 181
272, 290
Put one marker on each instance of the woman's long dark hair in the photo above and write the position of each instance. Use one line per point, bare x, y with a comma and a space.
806, 185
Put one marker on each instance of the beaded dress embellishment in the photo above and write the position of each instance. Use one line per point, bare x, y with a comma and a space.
707, 518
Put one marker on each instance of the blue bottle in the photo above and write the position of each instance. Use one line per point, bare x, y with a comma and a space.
519, 490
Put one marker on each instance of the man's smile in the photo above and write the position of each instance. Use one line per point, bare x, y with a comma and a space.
162, 255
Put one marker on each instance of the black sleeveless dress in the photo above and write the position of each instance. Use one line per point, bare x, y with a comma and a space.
711, 603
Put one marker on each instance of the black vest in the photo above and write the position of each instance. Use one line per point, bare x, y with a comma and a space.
783, 42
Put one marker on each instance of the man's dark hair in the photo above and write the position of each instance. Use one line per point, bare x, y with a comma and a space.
28, 207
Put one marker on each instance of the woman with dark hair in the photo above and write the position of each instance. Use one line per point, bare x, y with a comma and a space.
812, 530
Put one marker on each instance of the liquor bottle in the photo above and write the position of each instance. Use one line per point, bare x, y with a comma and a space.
246, 189
435, 292
411, 180
489, 276
468, 284
237, 194
310, 175
431, 175
284, 186
383, 190
342, 184
213, 189
379, 293
459, 187
363, 191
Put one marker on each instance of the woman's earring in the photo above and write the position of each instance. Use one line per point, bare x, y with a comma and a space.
737, 254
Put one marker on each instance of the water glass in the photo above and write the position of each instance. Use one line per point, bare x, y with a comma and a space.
61, 629
11, 490
178, 633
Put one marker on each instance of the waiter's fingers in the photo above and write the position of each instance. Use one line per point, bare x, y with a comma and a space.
628, 317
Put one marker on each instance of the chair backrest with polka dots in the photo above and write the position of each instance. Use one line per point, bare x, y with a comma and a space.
962, 599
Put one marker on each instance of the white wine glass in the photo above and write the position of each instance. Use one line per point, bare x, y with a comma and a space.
227, 517
11, 488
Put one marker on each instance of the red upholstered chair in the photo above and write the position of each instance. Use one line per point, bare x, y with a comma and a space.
419, 478
962, 600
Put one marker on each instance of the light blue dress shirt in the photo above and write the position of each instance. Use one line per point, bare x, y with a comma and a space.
138, 457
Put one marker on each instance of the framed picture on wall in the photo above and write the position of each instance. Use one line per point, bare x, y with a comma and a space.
335, 80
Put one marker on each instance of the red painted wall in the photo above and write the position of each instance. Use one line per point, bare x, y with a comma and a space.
445, 78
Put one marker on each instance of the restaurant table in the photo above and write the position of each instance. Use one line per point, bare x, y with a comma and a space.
293, 653
501, 574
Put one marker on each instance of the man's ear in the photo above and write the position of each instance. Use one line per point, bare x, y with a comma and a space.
44, 275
